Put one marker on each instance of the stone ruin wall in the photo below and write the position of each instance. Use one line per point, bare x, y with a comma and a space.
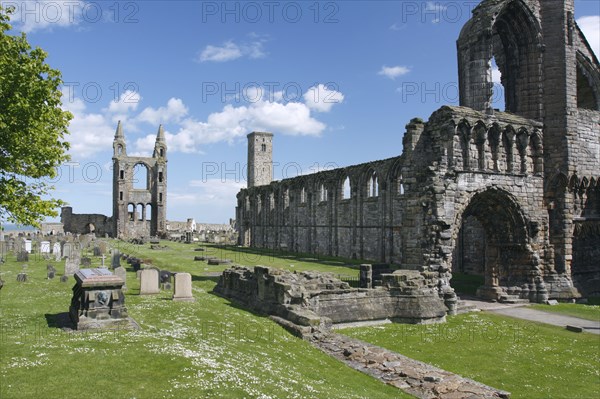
313, 299
415, 218
85, 223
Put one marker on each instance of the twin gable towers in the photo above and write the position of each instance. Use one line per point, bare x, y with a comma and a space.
139, 189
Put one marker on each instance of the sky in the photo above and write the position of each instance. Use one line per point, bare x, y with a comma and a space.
336, 82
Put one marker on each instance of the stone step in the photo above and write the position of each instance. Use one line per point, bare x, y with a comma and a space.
512, 299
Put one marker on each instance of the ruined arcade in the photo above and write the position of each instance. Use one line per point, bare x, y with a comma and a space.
512, 196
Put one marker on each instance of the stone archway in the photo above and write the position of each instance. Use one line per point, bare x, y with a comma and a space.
493, 227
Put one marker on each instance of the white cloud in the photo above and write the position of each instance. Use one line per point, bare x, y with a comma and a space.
89, 132
590, 26
230, 51
321, 98
393, 72
30, 16
128, 101
173, 112
496, 75
94, 132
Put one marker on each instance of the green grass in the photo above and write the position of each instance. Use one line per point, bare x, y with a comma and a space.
588, 312
528, 359
206, 349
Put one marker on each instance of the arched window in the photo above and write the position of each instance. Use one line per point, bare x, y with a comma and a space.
323, 193
346, 189
373, 185
302, 196
140, 177
141, 212
148, 211
131, 212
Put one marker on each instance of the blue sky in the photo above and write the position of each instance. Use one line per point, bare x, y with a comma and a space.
336, 82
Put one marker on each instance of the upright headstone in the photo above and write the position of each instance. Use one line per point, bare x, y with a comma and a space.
183, 288
56, 251
149, 282
97, 251
28, 246
86, 262
67, 249
45, 247
103, 246
122, 273
115, 259
72, 263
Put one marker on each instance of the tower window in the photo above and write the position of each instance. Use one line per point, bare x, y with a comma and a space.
159, 197
122, 174
160, 177
263, 147
121, 195
162, 152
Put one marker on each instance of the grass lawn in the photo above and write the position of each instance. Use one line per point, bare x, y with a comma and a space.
588, 312
206, 349
528, 359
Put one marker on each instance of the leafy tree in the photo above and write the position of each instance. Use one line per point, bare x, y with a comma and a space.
32, 129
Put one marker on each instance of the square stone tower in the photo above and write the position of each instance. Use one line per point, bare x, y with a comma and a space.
260, 159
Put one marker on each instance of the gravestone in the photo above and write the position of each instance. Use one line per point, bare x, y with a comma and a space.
115, 259
86, 262
122, 273
68, 249
45, 247
97, 251
56, 251
72, 264
51, 272
64, 279
28, 246
103, 246
22, 256
22, 277
183, 288
98, 301
149, 282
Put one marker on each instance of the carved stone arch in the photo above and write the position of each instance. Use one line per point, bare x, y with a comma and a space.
464, 131
508, 142
480, 132
588, 83
574, 184
509, 259
141, 175
494, 140
394, 177
510, 32
537, 152
522, 141
452, 147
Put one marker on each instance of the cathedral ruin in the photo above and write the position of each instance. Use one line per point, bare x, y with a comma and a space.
139, 195
512, 196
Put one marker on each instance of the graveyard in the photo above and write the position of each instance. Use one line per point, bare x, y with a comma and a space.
211, 347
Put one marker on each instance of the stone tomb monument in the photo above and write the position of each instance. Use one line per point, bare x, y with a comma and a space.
98, 301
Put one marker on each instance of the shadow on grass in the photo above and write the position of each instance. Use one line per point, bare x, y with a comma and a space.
214, 279
297, 256
235, 304
59, 320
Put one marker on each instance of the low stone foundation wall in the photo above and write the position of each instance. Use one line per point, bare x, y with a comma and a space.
311, 300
